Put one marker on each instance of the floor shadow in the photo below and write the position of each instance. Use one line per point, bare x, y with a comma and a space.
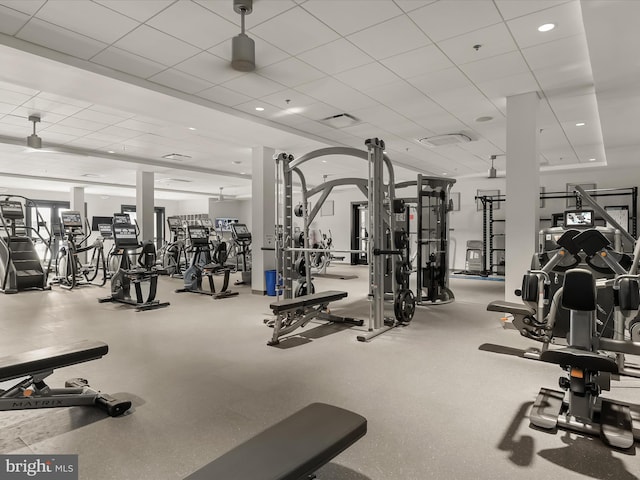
291, 342
502, 350
520, 449
302, 337
335, 276
590, 457
334, 471
21, 428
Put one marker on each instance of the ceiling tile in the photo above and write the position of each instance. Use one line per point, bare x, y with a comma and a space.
335, 93
319, 110
123, 133
367, 77
409, 5
23, 6
289, 99
262, 11
11, 21
266, 54
567, 18
350, 16
558, 53
194, 24
38, 104
291, 72
501, 88
420, 61
122, 115
450, 18
295, 31
14, 98
81, 123
511, 9
62, 99
6, 108
443, 80
57, 138
141, 11
379, 115
335, 56
127, 62
88, 143
557, 81
67, 130
208, 67
224, 96
157, 46
180, 81
100, 117
87, 18
390, 38
57, 38
496, 67
254, 85
494, 40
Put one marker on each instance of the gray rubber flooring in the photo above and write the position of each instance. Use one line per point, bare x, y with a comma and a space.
445, 398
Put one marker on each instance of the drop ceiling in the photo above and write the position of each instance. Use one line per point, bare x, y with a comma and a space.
120, 84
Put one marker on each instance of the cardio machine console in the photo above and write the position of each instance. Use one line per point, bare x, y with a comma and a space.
105, 230
241, 232
72, 222
579, 219
198, 235
11, 210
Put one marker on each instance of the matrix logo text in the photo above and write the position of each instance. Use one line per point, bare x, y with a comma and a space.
45, 467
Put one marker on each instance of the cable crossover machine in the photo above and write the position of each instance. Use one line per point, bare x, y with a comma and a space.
382, 250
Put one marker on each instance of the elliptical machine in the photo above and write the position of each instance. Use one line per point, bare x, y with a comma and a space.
126, 243
241, 235
69, 268
202, 265
174, 254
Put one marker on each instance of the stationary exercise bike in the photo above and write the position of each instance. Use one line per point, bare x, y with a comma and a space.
126, 243
203, 263
70, 272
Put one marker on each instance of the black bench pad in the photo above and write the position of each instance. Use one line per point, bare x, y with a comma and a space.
307, 301
291, 449
50, 358
511, 307
573, 357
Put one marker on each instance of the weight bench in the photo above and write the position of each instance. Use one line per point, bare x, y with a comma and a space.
32, 392
292, 449
292, 313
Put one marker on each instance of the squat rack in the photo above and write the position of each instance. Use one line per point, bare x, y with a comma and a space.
379, 195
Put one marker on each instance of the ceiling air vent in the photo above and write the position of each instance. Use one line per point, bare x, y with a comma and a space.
178, 157
340, 120
446, 139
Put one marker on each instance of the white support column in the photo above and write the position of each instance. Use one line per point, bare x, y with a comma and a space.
144, 204
263, 216
76, 202
522, 189
212, 208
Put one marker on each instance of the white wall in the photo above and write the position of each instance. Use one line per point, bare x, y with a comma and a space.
467, 223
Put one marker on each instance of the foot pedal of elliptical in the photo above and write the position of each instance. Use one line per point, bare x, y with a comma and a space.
615, 424
546, 409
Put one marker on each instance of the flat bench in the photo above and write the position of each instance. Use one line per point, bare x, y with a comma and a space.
314, 299
50, 358
291, 449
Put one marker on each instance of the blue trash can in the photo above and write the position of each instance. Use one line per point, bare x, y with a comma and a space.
271, 278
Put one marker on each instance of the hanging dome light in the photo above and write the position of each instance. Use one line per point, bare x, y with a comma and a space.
33, 140
243, 48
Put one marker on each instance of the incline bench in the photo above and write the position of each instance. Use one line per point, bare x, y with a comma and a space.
36, 365
290, 450
292, 313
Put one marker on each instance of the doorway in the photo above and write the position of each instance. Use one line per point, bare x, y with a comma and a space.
158, 222
359, 234
50, 211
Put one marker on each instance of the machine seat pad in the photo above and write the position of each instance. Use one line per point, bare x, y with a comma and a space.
574, 357
49, 358
314, 299
511, 307
214, 267
291, 449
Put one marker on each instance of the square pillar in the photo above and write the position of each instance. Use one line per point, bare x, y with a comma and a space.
263, 198
145, 205
522, 189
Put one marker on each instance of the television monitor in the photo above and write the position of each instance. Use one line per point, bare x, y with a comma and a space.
97, 221
579, 219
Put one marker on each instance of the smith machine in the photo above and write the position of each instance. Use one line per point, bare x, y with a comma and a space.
386, 243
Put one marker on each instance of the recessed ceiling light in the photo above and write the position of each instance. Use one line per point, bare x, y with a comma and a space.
324, 161
192, 128
110, 151
445, 173
90, 175
580, 124
242, 173
546, 27
260, 109
592, 159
